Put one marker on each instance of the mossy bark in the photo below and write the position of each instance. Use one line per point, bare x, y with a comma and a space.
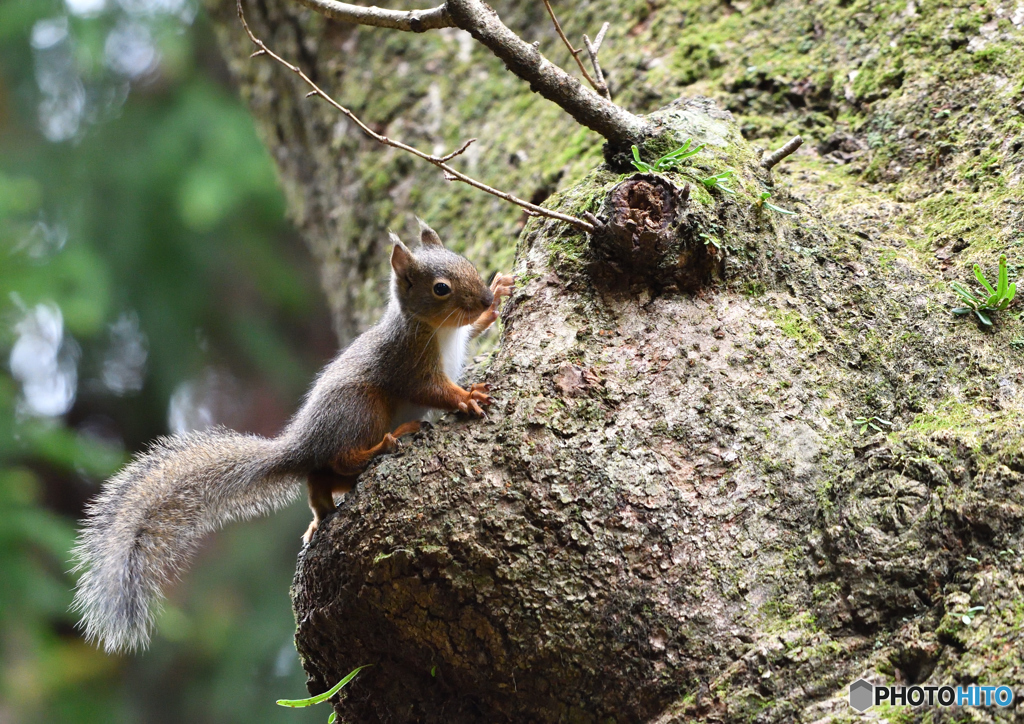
670, 514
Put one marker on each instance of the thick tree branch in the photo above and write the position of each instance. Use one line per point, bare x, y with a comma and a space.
450, 174
616, 124
414, 21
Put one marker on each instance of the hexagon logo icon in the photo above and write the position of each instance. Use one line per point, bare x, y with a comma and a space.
862, 695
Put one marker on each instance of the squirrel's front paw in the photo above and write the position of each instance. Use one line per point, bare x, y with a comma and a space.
501, 286
476, 396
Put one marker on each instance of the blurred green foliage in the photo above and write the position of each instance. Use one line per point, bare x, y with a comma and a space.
133, 187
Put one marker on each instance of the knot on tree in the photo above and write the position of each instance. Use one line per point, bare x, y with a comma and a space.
647, 233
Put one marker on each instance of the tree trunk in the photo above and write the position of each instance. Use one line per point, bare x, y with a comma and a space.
671, 513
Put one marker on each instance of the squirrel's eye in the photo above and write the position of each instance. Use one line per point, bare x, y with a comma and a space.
441, 289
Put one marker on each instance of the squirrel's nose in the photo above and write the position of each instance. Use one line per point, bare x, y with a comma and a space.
487, 298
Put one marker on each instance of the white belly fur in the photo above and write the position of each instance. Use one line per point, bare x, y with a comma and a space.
452, 341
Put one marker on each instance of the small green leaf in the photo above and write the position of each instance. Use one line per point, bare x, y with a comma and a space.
982, 280
718, 182
677, 156
322, 697
983, 318
1003, 281
773, 207
640, 165
681, 149
433, 671
961, 310
965, 294
332, 718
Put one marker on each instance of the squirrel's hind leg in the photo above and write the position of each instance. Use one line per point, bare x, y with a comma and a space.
353, 462
323, 484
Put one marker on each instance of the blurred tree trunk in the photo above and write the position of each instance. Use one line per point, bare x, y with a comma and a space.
672, 513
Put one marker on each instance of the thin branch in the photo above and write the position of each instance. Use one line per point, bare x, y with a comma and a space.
600, 36
413, 21
773, 159
601, 86
457, 152
450, 174
575, 53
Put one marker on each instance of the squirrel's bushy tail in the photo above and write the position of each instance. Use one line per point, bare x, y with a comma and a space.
144, 526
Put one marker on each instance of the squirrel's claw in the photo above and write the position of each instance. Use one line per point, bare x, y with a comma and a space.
477, 395
480, 396
308, 535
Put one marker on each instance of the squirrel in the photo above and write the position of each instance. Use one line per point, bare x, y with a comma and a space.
147, 521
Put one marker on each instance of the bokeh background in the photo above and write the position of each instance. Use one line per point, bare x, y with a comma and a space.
149, 283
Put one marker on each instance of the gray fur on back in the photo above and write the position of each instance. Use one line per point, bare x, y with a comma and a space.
147, 522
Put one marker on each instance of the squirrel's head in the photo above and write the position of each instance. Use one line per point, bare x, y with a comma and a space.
435, 285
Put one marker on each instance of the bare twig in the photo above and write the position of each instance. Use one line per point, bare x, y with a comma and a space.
457, 152
575, 52
449, 173
414, 21
773, 159
592, 49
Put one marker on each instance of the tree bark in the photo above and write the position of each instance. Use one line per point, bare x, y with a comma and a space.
672, 514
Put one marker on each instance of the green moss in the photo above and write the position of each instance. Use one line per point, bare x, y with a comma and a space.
951, 415
897, 714
754, 288
826, 592
886, 259
798, 328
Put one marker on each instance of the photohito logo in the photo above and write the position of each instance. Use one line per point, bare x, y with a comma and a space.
864, 695
861, 695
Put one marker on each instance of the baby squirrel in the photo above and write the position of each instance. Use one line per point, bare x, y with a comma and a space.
146, 523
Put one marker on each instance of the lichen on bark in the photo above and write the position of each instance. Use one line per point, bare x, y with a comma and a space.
670, 515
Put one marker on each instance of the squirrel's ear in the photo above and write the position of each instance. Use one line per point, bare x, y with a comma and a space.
428, 237
401, 257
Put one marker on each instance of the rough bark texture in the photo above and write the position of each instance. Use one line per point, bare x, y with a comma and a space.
670, 514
